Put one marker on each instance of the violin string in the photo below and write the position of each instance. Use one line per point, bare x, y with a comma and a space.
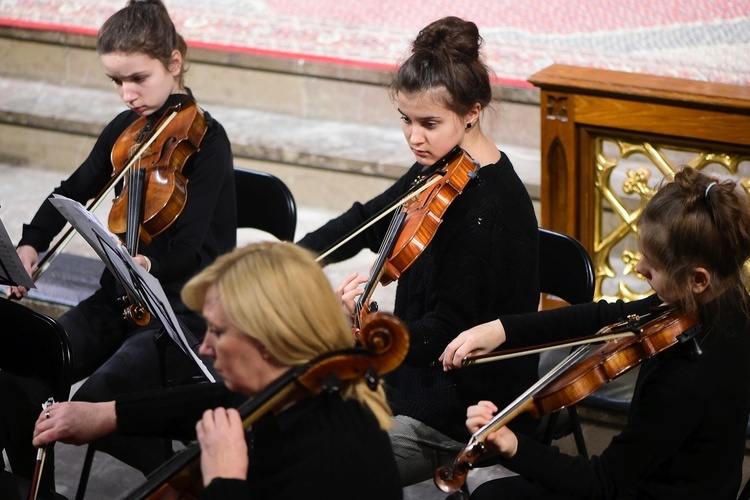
146, 145
385, 247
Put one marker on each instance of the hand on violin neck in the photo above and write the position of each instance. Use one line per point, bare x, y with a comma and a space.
501, 440
348, 291
223, 447
480, 339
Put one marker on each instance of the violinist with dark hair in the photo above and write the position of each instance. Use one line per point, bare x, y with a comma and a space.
685, 433
145, 57
480, 263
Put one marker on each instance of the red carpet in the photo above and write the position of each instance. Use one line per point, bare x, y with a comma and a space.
701, 39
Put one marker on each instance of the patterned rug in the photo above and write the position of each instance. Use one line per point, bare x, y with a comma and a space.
705, 40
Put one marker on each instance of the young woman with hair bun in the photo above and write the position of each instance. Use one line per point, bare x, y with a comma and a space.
481, 263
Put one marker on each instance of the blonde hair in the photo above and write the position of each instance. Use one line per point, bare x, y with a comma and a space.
276, 293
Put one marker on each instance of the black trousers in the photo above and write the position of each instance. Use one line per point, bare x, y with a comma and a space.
514, 488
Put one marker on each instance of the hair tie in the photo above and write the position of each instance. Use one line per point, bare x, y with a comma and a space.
709, 188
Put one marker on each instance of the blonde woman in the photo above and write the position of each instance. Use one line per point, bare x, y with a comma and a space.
268, 307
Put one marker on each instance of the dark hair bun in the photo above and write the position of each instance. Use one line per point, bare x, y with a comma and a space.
451, 36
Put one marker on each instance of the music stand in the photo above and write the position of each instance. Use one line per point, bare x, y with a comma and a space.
136, 281
12, 272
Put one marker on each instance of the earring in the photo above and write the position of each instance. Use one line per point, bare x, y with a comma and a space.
468, 125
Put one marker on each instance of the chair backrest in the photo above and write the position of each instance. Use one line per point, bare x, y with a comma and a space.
567, 272
36, 346
264, 202
565, 268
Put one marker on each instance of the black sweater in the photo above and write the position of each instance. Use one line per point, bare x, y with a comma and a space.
685, 434
482, 263
206, 228
322, 447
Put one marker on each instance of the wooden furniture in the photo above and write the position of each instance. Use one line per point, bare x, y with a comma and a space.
609, 137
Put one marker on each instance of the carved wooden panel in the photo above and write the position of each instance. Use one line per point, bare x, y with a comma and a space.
608, 140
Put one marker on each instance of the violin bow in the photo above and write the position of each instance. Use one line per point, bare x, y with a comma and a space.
614, 331
41, 456
523, 351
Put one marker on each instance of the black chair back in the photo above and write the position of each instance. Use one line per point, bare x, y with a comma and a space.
264, 202
567, 272
565, 268
36, 346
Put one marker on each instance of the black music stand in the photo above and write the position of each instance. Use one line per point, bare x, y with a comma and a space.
136, 281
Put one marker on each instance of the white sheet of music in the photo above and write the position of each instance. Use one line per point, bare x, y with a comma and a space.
12, 271
143, 285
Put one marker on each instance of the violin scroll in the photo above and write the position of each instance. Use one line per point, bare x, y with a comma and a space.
385, 342
378, 332
136, 314
450, 478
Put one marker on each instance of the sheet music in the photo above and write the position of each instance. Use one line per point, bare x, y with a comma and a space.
134, 278
12, 271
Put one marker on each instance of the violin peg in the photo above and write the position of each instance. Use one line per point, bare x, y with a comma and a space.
331, 383
372, 378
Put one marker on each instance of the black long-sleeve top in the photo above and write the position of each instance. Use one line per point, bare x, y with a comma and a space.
321, 447
206, 227
481, 263
685, 433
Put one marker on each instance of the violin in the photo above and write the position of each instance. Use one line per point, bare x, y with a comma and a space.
578, 376
413, 226
155, 191
150, 157
384, 344
423, 214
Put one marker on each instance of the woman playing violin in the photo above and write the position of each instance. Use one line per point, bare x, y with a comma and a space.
266, 311
685, 433
145, 58
482, 261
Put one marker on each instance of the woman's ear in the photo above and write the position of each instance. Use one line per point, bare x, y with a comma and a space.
175, 63
472, 117
700, 279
